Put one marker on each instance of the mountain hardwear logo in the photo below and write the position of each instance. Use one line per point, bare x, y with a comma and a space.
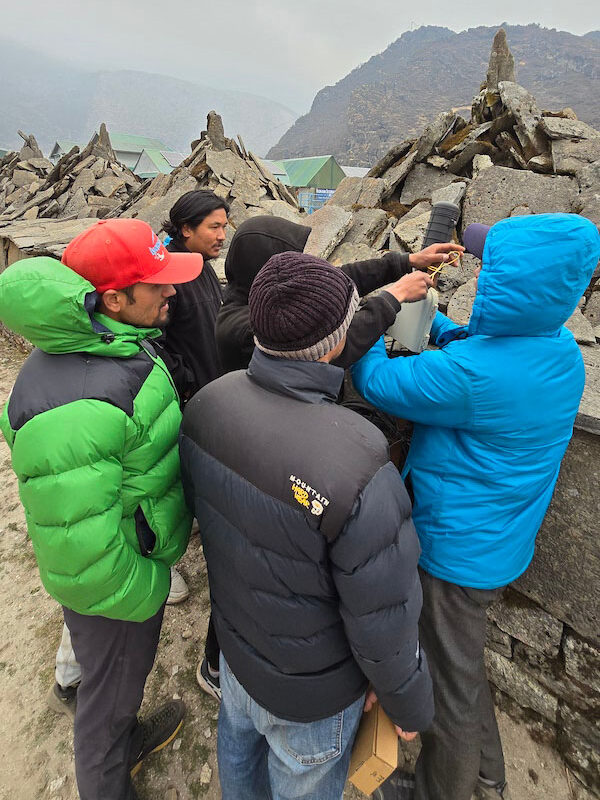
302, 492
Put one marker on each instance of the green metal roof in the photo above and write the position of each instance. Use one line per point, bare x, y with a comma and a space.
302, 170
317, 172
152, 161
278, 170
123, 142
131, 143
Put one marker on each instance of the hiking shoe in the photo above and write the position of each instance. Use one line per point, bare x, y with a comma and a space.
63, 701
485, 790
209, 684
399, 786
158, 730
179, 590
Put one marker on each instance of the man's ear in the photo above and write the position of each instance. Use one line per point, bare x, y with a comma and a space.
186, 231
112, 301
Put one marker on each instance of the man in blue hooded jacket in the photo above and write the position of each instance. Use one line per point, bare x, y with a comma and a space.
493, 409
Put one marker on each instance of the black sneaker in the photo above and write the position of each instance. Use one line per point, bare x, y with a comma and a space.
399, 786
63, 701
158, 730
211, 685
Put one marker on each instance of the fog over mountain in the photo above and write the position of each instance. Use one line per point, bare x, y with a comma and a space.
55, 100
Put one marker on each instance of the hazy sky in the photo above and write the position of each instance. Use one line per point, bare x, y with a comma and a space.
283, 49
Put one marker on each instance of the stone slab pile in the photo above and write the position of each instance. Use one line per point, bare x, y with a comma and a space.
224, 166
510, 158
82, 184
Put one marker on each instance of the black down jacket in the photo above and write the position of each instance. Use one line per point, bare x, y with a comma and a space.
311, 550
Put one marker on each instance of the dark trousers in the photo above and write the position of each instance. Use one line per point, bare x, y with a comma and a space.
212, 650
463, 741
116, 658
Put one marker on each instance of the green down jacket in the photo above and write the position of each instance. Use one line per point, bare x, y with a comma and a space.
92, 423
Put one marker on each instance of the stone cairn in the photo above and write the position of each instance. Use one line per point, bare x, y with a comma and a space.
509, 159
225, 167
90, 183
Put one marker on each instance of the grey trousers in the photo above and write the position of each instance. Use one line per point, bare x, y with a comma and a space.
463, 741
116, 658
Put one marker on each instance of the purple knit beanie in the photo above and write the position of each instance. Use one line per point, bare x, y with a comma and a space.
300, 306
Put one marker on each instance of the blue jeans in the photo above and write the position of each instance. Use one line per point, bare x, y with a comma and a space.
263, 757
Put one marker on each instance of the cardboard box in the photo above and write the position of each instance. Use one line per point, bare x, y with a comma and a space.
375, 751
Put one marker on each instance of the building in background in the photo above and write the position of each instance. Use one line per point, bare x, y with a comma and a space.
152, 162
128, 147
314, 179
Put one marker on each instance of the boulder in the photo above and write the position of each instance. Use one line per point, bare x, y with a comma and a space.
23, 177
410, 230
567, 543
367, 225
421, 182
570, 157
582, 662
527, 622
329, 225
461, 304
513, 680
558, 128
453, 193
45, 237
347, 253
502, 64
581, 328
522, 106
495, 191
592, 308
358, 192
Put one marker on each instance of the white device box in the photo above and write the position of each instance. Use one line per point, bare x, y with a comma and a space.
413, 322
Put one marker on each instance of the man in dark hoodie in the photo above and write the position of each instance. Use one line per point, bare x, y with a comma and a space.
259, 238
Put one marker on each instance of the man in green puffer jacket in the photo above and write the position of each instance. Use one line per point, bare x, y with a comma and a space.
92, 423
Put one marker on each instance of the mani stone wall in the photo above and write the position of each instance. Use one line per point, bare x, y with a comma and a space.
543, 648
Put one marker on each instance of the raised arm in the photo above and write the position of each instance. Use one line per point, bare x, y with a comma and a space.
430, 388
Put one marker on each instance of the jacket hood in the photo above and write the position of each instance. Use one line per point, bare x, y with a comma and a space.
53, 307
534, 271
255, 241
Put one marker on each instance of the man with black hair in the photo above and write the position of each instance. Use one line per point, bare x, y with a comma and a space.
196, 224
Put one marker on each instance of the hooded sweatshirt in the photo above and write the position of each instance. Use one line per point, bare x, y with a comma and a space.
92, 424
493, 412
259, 238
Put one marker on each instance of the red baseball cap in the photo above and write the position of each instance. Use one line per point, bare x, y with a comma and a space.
115, 253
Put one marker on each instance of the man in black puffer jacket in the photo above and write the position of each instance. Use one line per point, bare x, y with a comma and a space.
311, 551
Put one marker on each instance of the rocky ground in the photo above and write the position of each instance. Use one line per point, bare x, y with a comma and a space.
37, 744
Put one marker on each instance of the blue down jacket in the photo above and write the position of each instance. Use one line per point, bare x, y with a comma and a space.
494, 412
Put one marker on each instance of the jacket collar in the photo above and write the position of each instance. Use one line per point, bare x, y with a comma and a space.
308, 381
